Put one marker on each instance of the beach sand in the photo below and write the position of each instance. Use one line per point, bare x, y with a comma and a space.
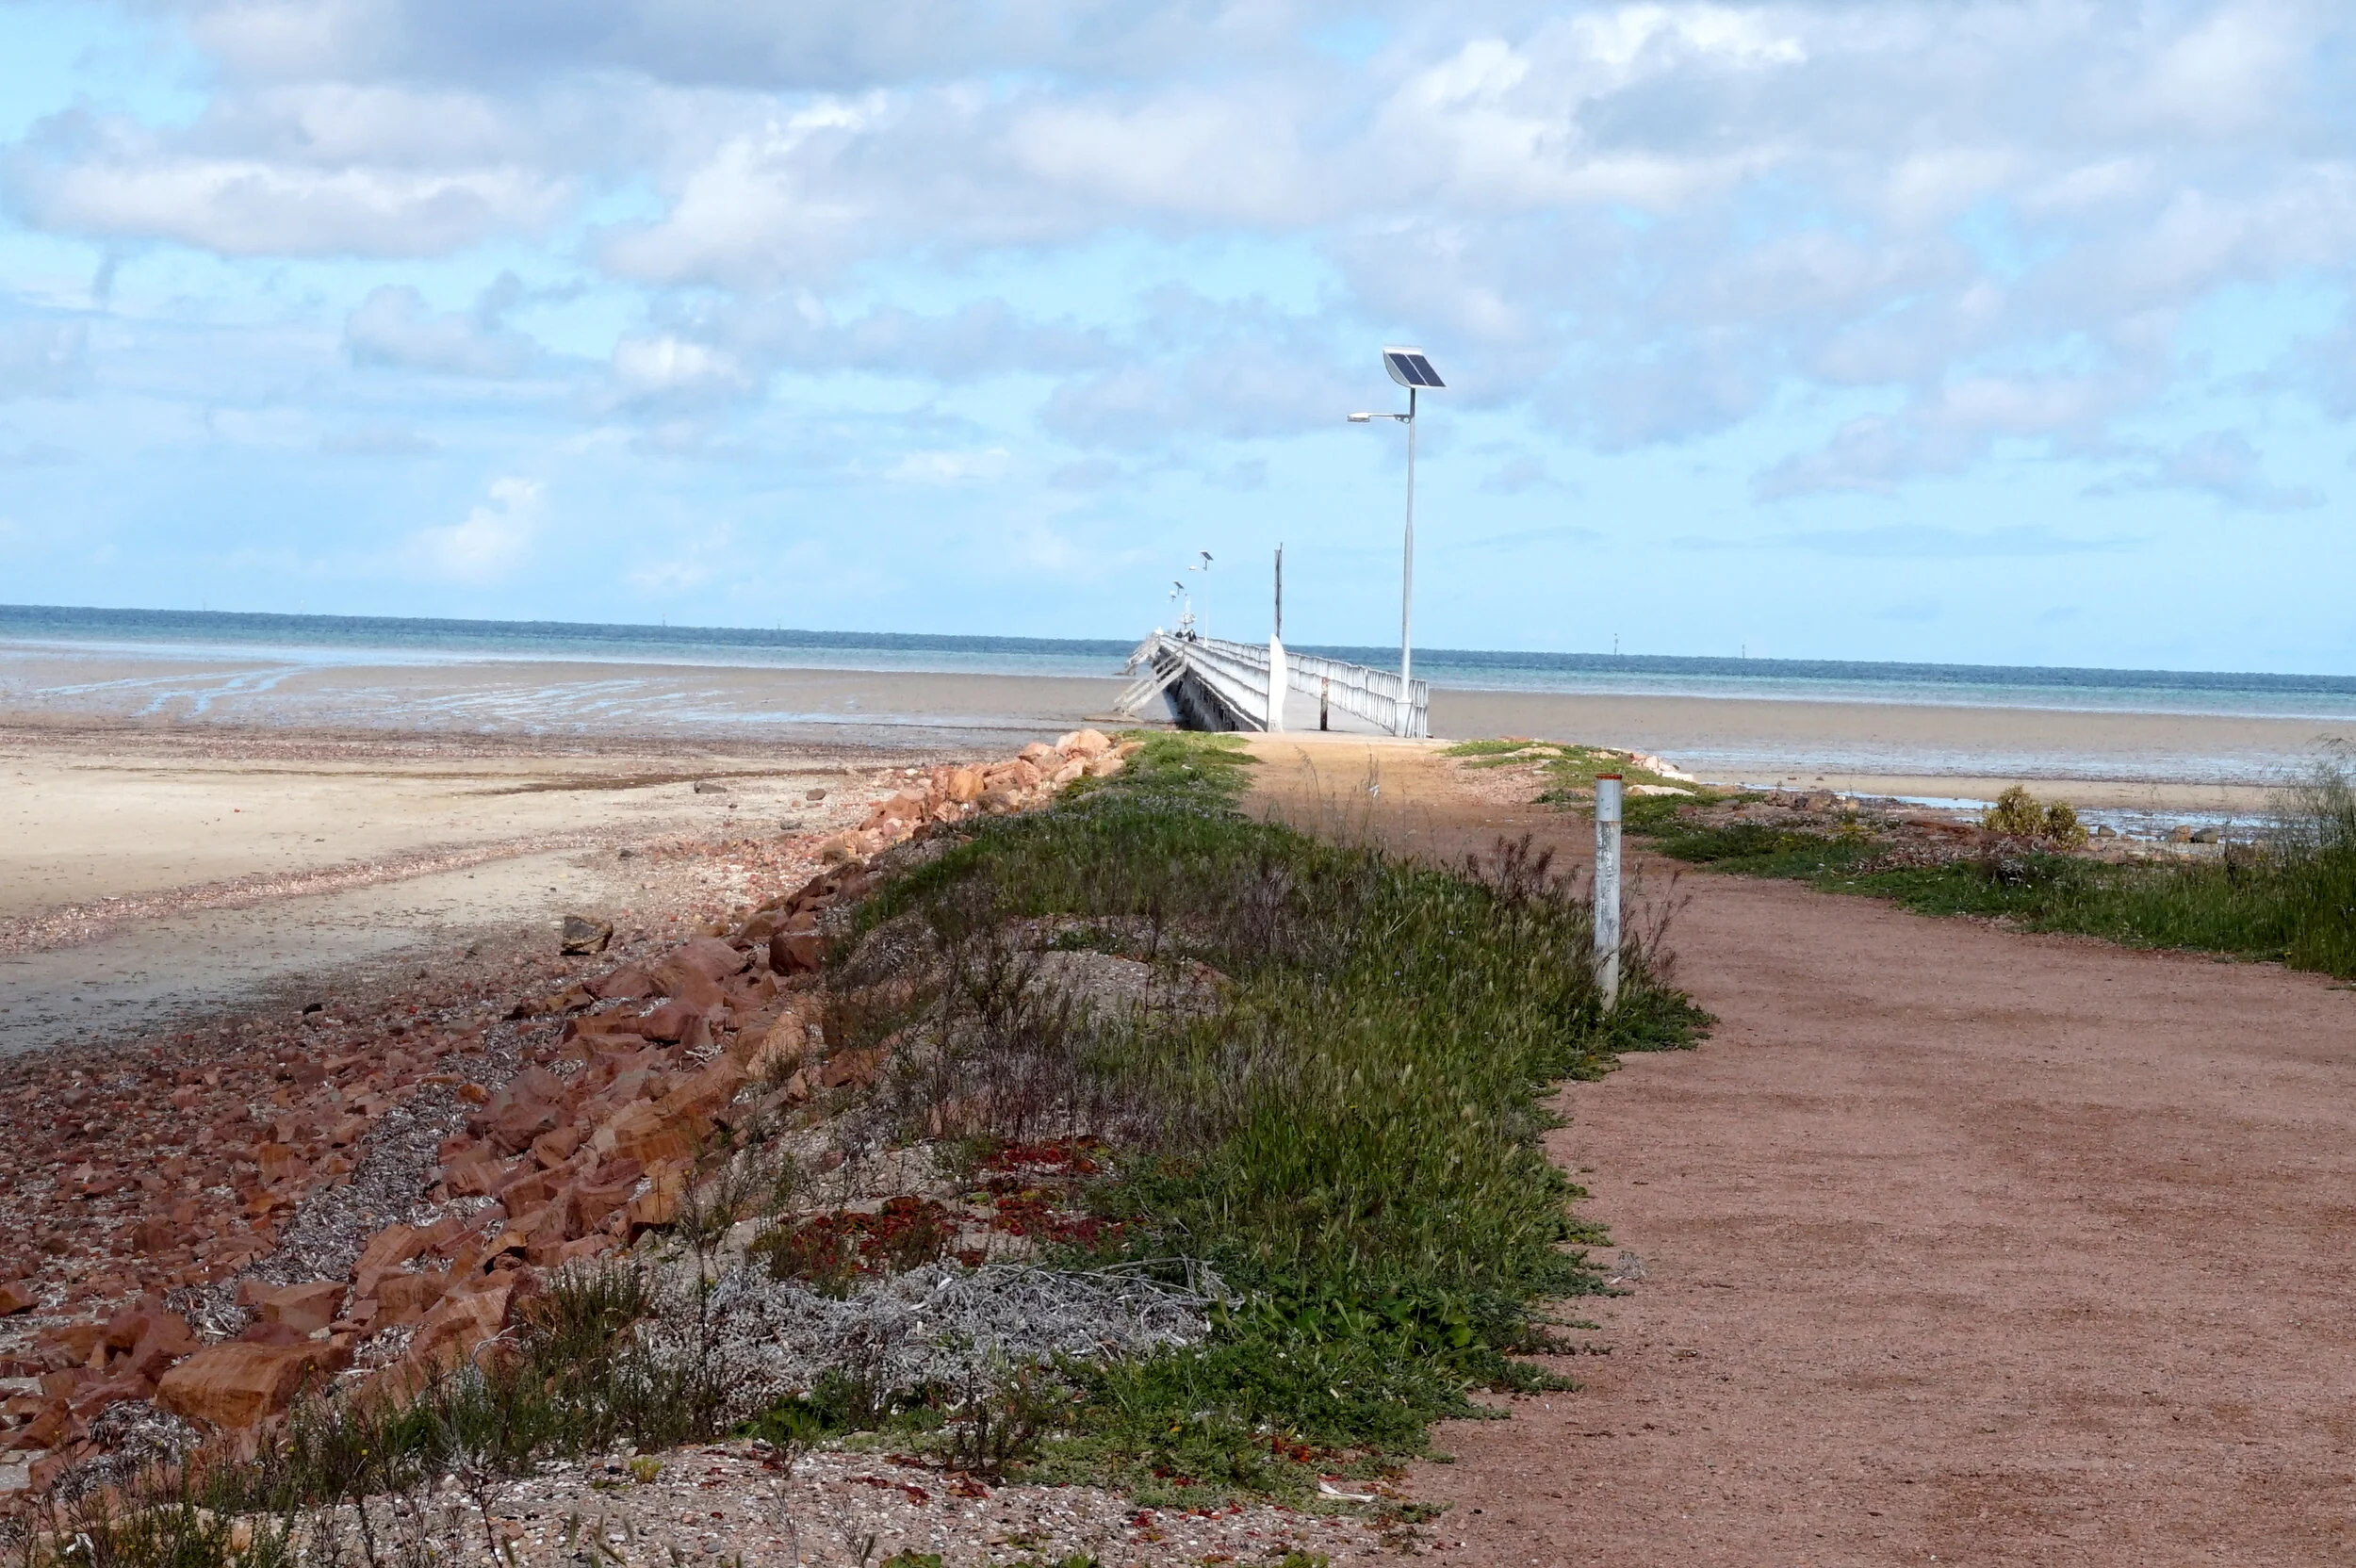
148, 874
182, 832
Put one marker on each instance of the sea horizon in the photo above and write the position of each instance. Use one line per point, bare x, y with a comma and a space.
304, 638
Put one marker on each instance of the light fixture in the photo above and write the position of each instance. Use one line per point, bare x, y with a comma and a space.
1409, 368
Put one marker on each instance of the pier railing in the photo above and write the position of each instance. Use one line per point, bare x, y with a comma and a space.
1213, 684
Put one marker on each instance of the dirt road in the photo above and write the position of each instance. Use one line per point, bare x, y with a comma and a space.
1955, 1244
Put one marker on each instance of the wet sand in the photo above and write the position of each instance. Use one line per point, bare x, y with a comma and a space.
148, 875
1893, 748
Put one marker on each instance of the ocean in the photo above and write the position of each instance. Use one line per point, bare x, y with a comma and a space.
333, 640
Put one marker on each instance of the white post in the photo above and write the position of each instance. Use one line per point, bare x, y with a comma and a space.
1407, 579
1276, 653
1608, 787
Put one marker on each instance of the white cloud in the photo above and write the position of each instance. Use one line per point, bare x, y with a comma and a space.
393, 327
496, 537
659, 370
1645, 223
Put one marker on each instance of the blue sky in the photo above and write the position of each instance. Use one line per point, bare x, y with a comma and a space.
1953, 331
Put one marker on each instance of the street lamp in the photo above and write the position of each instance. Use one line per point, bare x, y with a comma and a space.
1408, 368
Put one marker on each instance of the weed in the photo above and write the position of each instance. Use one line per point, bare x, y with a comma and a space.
2018, 814
1000, 1421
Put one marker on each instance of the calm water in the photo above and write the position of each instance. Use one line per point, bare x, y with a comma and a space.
299, 641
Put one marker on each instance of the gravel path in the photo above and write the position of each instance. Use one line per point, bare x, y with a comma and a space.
1951, 1244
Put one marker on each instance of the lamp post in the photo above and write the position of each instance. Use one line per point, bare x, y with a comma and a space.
1411, 370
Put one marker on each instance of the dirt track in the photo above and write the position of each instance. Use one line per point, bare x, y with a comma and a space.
1956, 1245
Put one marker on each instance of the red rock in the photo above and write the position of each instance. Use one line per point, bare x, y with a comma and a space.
644, 1131
407, 1298
714, 957
235, 1385
554, 1148
261, 1331
530, 1189
305, 1307
706, 1092
387, 1250
155, 1234
461, 1321
683, 982
16, 1296
46, 1427
672, 1021
795, 952
659, 1206
630, 983
127, 1384
475, 1178
589, 1204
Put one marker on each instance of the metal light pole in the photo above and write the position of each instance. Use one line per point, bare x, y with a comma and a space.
1411, 370
1276, 653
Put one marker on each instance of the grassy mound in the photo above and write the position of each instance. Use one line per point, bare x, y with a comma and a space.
1351, 1138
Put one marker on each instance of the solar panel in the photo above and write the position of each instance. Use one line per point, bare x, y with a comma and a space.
1409, 368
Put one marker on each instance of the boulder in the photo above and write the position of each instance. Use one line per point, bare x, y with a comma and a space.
1084, 744
658, 1204
646, 1131
964, 785
462, 1321
630, 983
235, 1385
478, 1176
711, 956
699, 1097
305, 1307
682, 981
407, 1298
387, 1250
796, 952
581, 935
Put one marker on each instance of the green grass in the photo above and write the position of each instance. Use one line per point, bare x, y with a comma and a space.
1352, 1139
2294, 902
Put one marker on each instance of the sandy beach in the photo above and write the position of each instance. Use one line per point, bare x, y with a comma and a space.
193, 828
149, 873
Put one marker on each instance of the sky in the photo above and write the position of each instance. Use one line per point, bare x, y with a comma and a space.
1863, 329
